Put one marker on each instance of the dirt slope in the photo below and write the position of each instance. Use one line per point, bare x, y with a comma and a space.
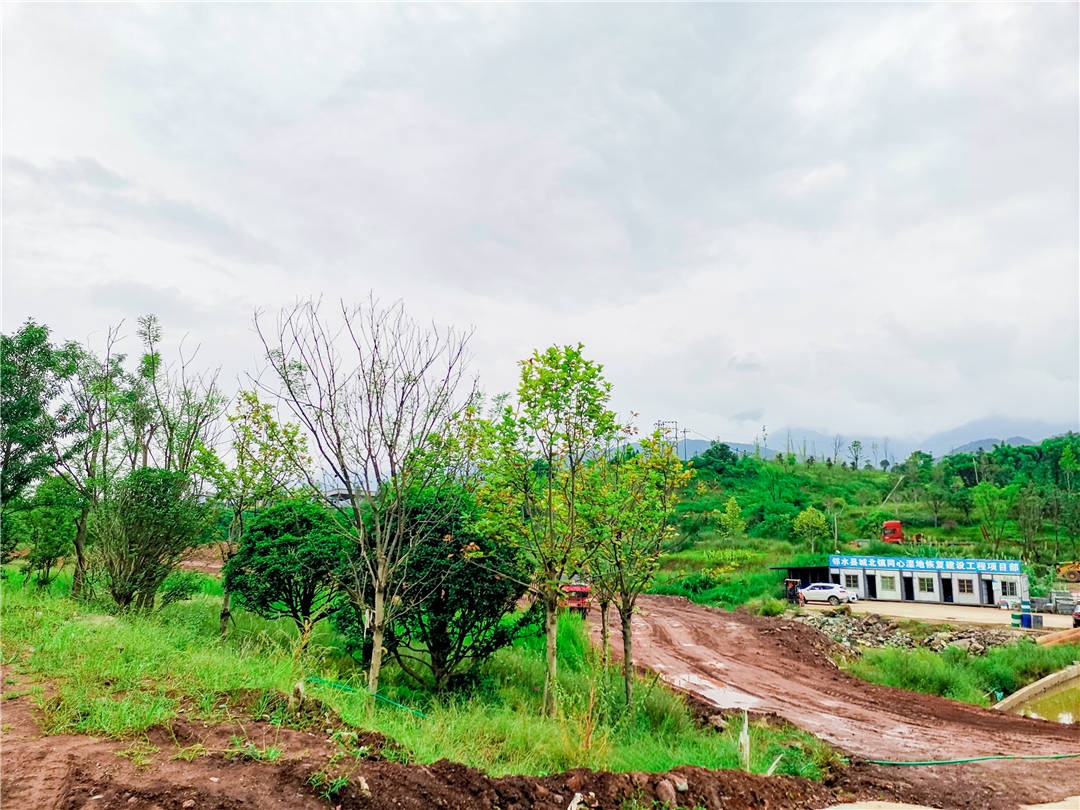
731, 660
77, 772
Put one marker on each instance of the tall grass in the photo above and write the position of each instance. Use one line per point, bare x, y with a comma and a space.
120, 675
953, 673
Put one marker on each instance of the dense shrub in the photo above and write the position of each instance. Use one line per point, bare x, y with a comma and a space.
289, 563
462, 585
142, 530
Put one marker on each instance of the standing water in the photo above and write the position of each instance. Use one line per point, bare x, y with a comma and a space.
1060, 704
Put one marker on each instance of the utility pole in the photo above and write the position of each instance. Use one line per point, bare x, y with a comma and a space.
662, 424
684, 432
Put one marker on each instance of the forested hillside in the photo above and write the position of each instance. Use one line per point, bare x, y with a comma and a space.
742, 515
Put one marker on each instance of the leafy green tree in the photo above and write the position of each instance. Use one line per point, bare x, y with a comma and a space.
811, 526
993, 506
1069, 464
959, 497
265, 457
46, 522
142, 529
1070, 520
855, 452
629, 499
731, 520
472, 581
1029, 517
289, 564
32, 372
534, 455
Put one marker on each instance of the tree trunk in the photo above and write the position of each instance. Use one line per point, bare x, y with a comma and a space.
226, 614
627, 662
378, 627
78, 578
551, 627
605, 633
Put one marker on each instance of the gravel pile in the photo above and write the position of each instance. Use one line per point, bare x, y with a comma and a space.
870, 630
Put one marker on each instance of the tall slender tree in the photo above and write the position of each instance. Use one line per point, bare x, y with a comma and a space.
629, 499
379, 396
534, 457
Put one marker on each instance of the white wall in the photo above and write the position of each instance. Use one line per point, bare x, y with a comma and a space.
897, 594
934, 595
889, 594
974, 598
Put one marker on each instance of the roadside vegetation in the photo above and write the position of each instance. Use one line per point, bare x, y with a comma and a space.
953, 673
119, 675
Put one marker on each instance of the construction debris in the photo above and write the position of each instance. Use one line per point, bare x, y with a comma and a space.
872, 631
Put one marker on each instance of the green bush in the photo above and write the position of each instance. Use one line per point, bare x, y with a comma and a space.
182, 585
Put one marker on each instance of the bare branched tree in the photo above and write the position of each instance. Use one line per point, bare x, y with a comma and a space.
173, 410
379, 395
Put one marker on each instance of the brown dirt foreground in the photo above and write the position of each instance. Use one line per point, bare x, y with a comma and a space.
722, 660
75, 772
783, 668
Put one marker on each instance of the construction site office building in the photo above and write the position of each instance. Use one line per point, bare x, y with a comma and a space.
930, 579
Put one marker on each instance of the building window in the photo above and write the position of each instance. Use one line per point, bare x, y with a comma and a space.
888, 583
851, 580
1008, 588
926, 584
965, 585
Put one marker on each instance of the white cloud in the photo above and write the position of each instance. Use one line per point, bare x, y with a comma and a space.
857, 218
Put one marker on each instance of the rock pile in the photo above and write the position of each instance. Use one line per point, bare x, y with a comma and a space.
871, 630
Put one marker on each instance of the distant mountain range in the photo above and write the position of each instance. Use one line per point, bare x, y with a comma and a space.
963, 439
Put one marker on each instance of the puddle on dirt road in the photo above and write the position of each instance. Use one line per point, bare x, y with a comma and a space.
1060, 704
725, 697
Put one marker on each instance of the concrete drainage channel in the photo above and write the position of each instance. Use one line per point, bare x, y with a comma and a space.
1062, 686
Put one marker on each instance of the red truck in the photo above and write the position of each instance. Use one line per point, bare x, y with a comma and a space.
577, 597
892, 532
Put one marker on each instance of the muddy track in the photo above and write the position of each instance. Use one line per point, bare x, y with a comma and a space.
775, 666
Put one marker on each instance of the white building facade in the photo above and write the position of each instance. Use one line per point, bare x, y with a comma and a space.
930, 579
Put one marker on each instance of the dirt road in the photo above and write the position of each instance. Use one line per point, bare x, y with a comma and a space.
774, 666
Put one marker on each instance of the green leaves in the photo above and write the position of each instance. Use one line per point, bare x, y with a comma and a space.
32, 371
288, 563
142, 530
811, 525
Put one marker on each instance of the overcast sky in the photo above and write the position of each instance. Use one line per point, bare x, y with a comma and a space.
846, 218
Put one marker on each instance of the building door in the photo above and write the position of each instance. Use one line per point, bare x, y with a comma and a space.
871, 586
909, 589
988, 591
946, 589
835, 579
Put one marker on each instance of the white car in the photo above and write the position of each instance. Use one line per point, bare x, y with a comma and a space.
826, 592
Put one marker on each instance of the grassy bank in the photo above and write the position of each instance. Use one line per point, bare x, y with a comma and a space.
953, 673
121, 675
